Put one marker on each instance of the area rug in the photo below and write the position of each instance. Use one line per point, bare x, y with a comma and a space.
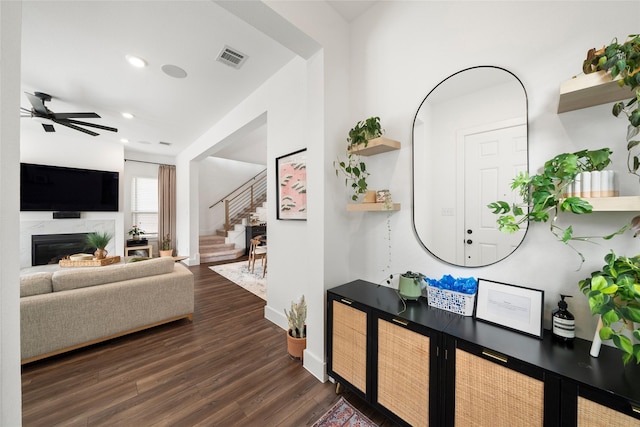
343, 414
238, 273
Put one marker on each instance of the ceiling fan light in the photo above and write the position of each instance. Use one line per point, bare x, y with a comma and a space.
127, 115
136, 61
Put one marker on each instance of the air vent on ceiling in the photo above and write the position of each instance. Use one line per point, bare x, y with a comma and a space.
231, 57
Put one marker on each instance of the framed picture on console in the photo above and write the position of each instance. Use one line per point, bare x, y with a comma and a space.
291, 183
510, 306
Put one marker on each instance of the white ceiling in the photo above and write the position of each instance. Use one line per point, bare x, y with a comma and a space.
75, 51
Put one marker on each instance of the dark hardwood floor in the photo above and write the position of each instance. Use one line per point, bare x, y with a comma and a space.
229, 367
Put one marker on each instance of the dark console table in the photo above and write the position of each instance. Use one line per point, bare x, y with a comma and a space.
426, 366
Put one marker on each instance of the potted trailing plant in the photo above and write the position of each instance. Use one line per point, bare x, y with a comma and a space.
614, 294
297, 333
100, 242
622, 61
354, 168
543, 196
135, 232
165, 247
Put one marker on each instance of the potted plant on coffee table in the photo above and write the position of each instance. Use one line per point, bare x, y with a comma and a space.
100, 242
165, 247
297, 333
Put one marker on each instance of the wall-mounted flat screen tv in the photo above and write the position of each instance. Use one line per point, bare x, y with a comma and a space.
55, 188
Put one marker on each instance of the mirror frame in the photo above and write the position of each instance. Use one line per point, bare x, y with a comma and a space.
413, 161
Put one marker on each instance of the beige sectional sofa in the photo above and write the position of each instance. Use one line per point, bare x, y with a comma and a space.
68, 308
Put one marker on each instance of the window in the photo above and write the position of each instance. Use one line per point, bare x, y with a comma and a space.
144, 204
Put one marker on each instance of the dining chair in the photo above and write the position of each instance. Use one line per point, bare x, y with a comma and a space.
257, 252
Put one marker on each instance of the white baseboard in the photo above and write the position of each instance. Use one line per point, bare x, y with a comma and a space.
275, 317
316, 366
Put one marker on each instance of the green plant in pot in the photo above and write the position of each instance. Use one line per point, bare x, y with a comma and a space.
165, 247
543, 196
354, 168
614, 294
100, 242
622, 60
297, 333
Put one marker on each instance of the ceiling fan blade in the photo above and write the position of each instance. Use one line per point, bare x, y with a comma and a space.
75, 115
37, 103
93, 125
48, 128
72, 126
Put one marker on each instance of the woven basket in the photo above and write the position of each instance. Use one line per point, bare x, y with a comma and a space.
455, 302
90, 262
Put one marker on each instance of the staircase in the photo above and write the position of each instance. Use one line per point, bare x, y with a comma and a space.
214, 248
229, 242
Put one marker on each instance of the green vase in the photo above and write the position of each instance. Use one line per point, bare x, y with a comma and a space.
410, 288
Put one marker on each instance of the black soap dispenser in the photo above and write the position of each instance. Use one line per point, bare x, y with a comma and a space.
563, 323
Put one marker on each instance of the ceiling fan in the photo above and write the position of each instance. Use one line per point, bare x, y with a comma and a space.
39, 110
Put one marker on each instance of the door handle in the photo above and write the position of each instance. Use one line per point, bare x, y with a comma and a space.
469, 241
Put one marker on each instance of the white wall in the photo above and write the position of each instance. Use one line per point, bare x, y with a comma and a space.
544, 44
220, 177
10, 395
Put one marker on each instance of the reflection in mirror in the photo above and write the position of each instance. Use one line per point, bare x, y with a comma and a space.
469, 142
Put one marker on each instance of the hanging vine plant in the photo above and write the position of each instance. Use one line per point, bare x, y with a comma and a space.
544, 196
622, 61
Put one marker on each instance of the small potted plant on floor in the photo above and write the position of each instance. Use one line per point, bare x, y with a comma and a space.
100, 242
297, 334
614, 294
165, 247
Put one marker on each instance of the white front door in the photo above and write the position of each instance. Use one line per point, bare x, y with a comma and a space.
492, 158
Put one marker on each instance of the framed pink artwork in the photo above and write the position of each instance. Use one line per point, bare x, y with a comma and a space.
291, 181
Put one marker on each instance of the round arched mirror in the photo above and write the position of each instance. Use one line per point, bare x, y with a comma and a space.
469, 142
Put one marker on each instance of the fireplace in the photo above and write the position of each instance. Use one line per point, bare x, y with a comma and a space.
51, 248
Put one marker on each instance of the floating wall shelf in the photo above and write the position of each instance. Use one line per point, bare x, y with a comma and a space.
615, 204
376, 146
369, 207
591, 89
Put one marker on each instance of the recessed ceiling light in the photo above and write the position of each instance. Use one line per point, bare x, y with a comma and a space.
127, 115
124, 140
174, 71
136, 61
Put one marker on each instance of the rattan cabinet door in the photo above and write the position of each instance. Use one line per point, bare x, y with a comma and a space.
349, 344
594, 414
489, 394
403, 372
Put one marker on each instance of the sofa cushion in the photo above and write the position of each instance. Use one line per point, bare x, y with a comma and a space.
35, 284
74, 278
